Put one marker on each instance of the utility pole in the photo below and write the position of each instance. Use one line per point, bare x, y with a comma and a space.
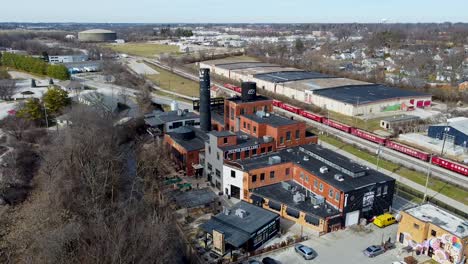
46, 118
427, 178
378, 157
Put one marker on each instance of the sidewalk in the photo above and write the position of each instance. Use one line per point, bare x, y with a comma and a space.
401, 179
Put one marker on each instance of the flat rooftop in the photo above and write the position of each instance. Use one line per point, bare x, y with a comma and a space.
197, 142
244, 65
322, 83
441, 218
278, 193
272, 120
237, 230
260, 70
365, 94
157, 118
258, 98
193, 198
335, 163
289, 76
243, 140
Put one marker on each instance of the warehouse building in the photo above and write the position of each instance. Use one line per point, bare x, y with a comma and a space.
97, 35
327, 178
244, 226
434, 232
455, 131
355, 100
164, 122
67, 58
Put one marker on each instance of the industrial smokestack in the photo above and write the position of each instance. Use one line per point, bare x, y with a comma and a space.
249, 91
205, 102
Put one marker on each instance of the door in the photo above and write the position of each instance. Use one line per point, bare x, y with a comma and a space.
401, 238
235, 192
352, 218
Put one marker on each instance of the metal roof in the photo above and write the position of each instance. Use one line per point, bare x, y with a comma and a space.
237, 231
289, 76
158, 118
365, 94
196, 143
322, 83
95, 31
193, 198
460, 124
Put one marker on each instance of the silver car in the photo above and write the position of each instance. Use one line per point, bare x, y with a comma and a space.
305, 251
373, 251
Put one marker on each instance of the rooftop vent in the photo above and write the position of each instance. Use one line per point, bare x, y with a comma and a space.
306, 158
267, 114
244, 137
299, 197
460, 229
323, 169
226, 211
339, 177
274, 160
241, 213
286, 186
289, 150
267, 139
261, 114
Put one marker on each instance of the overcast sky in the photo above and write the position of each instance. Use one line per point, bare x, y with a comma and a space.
231, 11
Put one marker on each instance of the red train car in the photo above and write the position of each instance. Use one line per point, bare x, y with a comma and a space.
336, 125
407, 150
450, 165
233, 87
368, 136
277, 103
292, 109
312, 116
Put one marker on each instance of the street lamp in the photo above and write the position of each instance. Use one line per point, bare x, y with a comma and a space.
446, 130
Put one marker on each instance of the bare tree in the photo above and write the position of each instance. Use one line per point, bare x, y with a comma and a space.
7, 89
16, 126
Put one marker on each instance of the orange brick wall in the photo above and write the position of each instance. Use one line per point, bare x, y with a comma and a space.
248, 109
192, 157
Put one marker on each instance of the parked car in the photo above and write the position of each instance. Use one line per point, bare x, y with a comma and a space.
269, 260
373, 251
305, 251
384, 220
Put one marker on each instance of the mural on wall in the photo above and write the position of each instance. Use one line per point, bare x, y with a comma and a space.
368, 199
445, 249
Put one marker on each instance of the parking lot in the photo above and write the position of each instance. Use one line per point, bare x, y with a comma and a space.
346, 246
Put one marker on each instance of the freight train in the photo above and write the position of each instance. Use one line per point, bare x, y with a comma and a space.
438, 161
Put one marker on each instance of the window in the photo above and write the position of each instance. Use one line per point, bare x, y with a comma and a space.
433, 233
298, 134
337, 196
209, 149
209, 166
330, 193
416, 226
272, 174
189, 122
217, 155
246, 154
321, 187
287, 171
270, 149
262, 176
245, 124
233, 174
379, 190
315, 183
218, 173
248, 127
385, 190
225, 140
232, 114
288, 135
254, 178
242, 111
301, 175
307, 178
255, 129
254, 109
254, 152
262, 150
176, 124
281, 140
237, 155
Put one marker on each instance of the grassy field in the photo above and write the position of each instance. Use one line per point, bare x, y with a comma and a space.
370, 124
173, 82
444, 188
143, 49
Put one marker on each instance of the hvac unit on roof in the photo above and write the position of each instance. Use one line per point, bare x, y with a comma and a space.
244, 137
241, 213
323, 169
306, 158
267, 139
298, 197
317, 199
460, 229
274, 160
286, 186
339, 177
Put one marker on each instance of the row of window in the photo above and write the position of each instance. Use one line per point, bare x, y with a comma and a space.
272, 175
331, 193
288, 136
237, 155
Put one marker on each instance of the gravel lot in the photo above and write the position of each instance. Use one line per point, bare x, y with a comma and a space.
345, 246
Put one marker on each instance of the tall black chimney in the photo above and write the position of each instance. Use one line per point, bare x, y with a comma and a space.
205, 102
